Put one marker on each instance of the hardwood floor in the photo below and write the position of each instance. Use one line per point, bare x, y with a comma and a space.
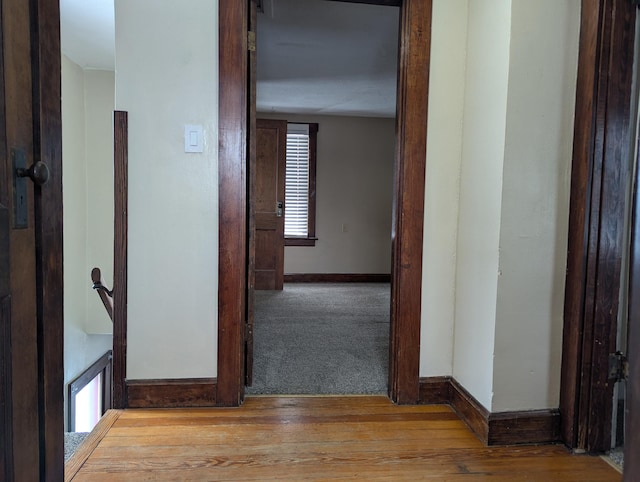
313, 438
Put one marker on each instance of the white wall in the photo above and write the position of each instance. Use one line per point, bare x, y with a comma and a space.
479, 220
508, 125
80, 348
535, 204
354, 187
99, 104
442, 190
166, 77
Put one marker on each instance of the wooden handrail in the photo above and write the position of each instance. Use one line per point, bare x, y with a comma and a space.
106, 295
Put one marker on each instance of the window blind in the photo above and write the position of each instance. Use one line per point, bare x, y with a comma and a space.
296, 213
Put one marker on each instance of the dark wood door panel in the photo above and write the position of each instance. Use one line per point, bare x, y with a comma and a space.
18, 143
265, 239
271, 144
6, 415
632, 409
31, 318
267, 170
601, 159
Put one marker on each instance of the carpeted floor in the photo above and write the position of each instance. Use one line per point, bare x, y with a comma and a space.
72, 441
322, 339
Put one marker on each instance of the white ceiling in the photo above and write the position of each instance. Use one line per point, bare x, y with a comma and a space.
317, 56
87, 31
314, 56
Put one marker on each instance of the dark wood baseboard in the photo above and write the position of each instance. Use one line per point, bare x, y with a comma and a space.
171, 393
530, 427
470, 411
337, 278
435, 391
503, 428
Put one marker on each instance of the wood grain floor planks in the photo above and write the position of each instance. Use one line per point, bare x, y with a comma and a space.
318, 438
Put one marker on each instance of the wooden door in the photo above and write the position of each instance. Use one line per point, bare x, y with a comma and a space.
268, 204
251, 230
632, 408
31, 376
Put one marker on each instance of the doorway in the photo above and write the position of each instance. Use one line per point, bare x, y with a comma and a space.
327, 72
408, 202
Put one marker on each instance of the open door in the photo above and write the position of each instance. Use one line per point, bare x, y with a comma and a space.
632, 403
251, 163
268, 203
31, 320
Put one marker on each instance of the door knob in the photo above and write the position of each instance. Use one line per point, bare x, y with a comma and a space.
38, 172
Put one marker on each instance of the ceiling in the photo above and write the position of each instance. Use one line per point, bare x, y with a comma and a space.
321, 57
314, 56
87, 31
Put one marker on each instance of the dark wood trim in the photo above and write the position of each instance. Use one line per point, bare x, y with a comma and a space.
172, 393
77, 460
596, 243
470, 410
313, 163
300, 241
435, 390
413, 81
103, 365
576, 255
524, 427
388, 3
502, 428
6, 357
232, 183
336, 278
408, 200
311, 239
251, 190
47, 147
632, 413
6, 412
120, 255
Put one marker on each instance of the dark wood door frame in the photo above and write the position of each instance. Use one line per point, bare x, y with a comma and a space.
632, 415
408, 208
601, 160
41, 104
47, 119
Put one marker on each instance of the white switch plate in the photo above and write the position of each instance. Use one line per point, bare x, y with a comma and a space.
193, 138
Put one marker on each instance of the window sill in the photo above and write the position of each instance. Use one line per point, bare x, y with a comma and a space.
300, 241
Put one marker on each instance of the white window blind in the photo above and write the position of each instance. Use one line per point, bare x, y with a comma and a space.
296, 213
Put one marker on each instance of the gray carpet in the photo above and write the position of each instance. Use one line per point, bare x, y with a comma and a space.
322, 339
73, 440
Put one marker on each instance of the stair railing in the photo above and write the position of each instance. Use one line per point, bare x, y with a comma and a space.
106, 295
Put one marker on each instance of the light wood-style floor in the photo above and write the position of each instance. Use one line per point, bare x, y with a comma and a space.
313, 438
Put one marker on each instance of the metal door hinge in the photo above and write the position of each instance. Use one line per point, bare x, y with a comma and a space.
251, 41
618, 366
248, 332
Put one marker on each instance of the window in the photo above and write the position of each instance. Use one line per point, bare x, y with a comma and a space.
90, 395
300, 185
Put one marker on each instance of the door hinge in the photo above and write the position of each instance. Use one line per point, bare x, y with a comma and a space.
251, 41
248, 332
618, 366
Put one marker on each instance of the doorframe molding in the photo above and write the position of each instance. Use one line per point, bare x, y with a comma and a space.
632, 416
47, 136
408, 205
597, 220
232, 195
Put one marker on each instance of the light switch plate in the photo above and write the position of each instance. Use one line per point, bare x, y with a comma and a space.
193, 138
